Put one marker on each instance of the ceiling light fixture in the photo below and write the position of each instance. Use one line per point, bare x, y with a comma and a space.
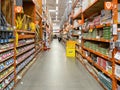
54, 23
56, 8
52, 10
56, 17
70, 1
56, 13
56, 1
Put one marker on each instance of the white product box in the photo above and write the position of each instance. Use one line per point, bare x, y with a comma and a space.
117, 70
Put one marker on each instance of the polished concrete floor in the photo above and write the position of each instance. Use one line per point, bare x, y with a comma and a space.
54, 71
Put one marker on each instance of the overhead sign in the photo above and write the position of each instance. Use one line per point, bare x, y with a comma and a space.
80, 22
18, 9
108, 5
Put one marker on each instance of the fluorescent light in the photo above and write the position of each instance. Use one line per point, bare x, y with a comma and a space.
57, 20
54, 23
56, 8
56, 13
56, 1
56, 17
52, 10
70, 1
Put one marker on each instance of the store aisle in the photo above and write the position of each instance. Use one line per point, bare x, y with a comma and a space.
53, 71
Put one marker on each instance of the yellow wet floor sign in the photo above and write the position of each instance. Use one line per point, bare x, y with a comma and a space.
70, 48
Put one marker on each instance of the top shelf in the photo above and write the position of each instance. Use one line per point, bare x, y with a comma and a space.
95, 7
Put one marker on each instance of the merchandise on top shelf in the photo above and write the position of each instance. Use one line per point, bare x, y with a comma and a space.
24, 22
105, 34
106, 16
96, 20
3, 21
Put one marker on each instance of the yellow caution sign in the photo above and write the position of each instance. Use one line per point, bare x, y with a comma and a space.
70, 48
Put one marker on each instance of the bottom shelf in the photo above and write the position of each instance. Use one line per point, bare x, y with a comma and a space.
92, 72
24, 70
10, 86
39, 50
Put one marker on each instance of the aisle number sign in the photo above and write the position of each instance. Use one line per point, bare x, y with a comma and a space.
18, 9
108, 5
80, 22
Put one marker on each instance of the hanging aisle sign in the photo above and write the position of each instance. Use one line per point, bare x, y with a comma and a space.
108, 5
18, 9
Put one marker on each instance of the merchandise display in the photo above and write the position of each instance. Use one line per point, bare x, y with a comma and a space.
25, 42
6, 36
6, 64
17, 41
7, 81
105, 80
24, 56
98, 47
23, 64
24, 49
4, 74
6, 55
100, 41
10, 86
89, 30
7, 46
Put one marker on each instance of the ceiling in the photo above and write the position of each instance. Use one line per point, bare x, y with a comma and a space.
51, 5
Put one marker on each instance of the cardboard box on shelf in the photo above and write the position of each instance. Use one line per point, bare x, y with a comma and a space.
117, 70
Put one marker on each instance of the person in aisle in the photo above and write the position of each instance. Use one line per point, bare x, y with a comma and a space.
60, 36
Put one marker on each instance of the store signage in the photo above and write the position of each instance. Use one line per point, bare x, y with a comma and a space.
18, 9
80, 22
108, 5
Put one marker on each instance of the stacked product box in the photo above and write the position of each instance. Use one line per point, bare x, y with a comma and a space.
106, 16
107, 34
105, 80
105, 64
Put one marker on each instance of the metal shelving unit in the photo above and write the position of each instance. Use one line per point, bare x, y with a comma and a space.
84, 54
